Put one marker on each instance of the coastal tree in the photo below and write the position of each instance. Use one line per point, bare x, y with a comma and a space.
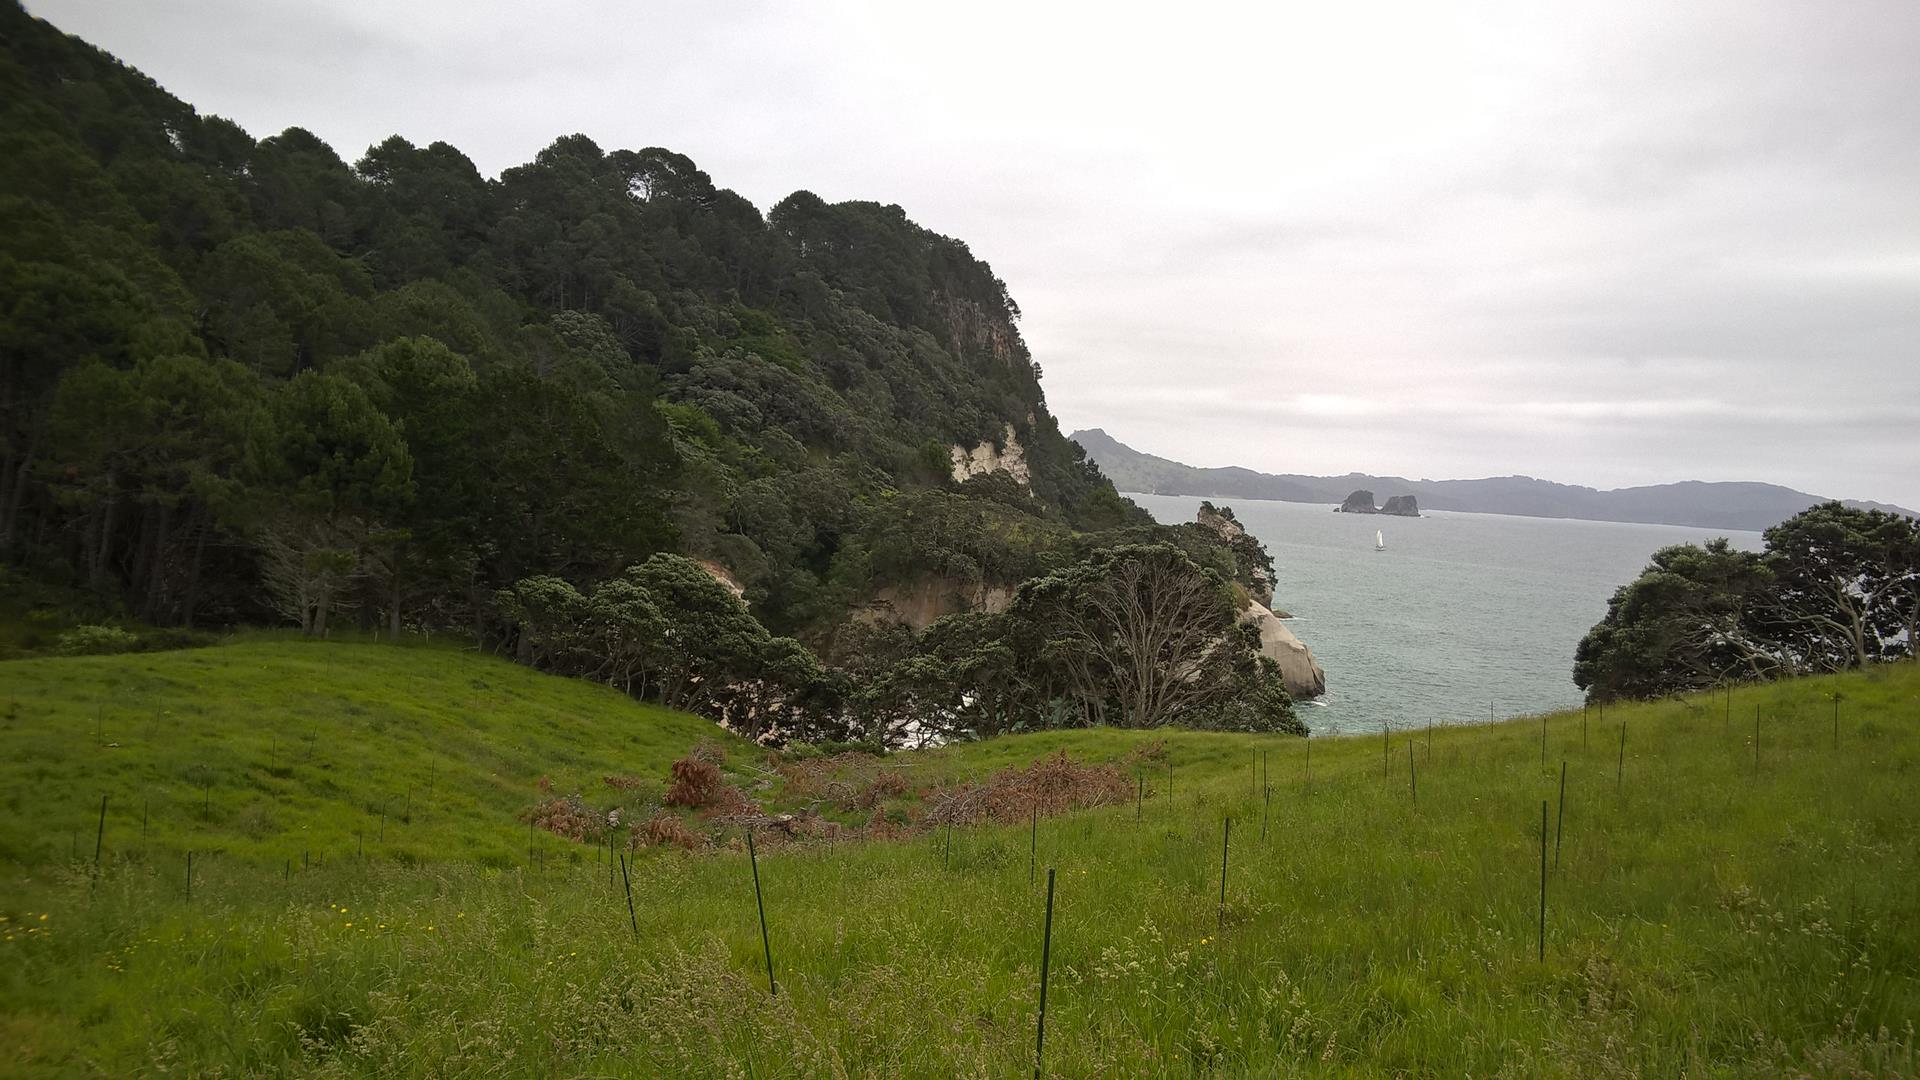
1836, 587
667, 628
1847, 585
1142, 634
1690, 620
548, 617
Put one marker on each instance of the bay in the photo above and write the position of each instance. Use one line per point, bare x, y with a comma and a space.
1462, 613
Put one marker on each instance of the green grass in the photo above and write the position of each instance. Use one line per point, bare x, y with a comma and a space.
277, 749
1706, 918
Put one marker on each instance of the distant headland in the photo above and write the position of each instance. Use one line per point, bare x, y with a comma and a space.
1744, 506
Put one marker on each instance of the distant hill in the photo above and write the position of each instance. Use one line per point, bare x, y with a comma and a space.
1747, 506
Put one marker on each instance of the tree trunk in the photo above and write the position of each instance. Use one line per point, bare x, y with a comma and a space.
97, 574
157, 569
476, 606
140, 558
304, 601
11, 522
193, 572
90, 548
6, 481
1913, 631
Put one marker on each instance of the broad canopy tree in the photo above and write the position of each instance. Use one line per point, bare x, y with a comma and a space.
1134, 635
1835, 588
667, 629
1689, 621
1847, 586
1137, 632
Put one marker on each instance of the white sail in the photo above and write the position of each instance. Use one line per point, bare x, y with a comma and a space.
1379, 540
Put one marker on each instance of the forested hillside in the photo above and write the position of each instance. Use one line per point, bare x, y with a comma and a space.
247, 381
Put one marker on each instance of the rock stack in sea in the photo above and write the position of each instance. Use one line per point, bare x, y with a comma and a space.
1361, 502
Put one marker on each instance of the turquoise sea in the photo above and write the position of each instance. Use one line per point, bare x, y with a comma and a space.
1460, 614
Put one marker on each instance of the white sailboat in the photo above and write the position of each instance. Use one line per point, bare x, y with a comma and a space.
1379, 540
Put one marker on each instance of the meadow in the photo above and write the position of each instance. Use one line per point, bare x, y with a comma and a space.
1715, 906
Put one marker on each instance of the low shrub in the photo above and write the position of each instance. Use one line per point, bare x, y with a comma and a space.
94, 640
696, 784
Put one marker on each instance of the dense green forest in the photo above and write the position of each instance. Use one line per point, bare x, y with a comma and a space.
246, 381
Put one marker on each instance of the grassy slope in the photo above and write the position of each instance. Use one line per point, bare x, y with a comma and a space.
280, 749
1706, 919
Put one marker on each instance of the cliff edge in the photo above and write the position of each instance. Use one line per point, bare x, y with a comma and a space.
1302, 674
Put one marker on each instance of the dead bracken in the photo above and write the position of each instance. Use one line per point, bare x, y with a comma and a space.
1055, 784
885, 793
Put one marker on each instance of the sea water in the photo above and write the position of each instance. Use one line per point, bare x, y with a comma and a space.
1461, 614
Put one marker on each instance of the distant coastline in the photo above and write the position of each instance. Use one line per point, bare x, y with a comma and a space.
1749, 507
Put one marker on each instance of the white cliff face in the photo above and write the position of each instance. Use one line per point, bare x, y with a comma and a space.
719, 573
985, 458
920, 603
1298, 669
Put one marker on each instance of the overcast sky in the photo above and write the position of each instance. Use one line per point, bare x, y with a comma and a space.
1644, 242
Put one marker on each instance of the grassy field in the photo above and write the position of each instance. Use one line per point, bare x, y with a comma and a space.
1709, 912
275, 749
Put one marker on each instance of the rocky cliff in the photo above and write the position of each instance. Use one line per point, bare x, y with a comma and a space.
1298, 669
1009, 457
920, 603
1222, 521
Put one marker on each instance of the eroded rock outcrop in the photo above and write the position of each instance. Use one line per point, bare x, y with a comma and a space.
1401, 506
1009, 457
725, 577
920, 603
1300, 672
